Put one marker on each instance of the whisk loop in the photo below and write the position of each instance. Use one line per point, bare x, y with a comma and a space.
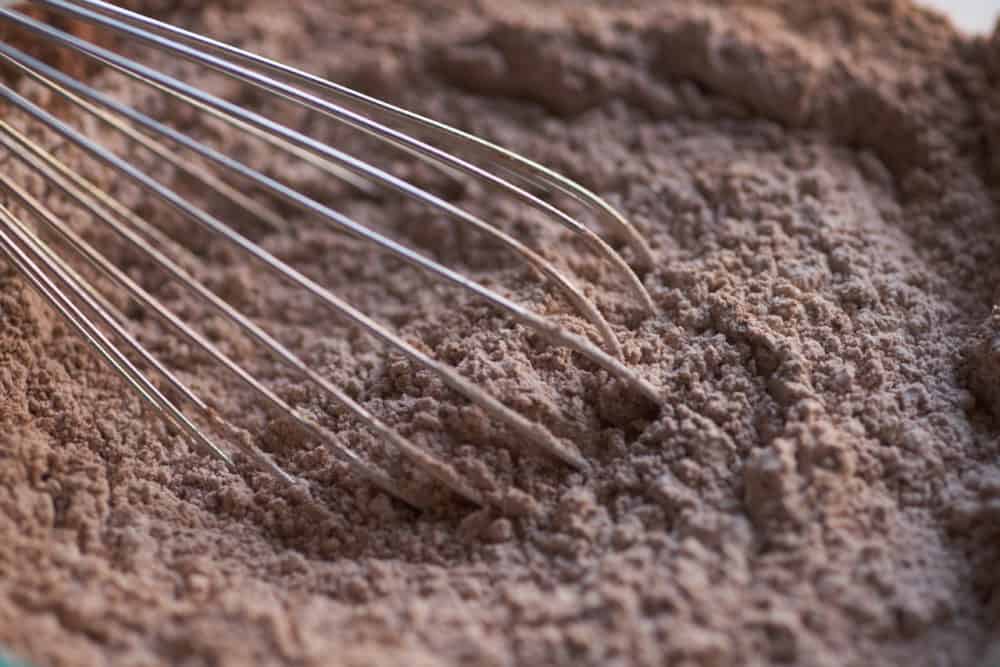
91, 314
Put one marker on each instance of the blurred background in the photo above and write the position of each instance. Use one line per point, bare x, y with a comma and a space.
969, 15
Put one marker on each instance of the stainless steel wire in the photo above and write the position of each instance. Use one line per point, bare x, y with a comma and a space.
458, 153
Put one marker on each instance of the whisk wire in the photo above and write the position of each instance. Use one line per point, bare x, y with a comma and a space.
73, 296
36, 69
534, 433
531, 174
22, 249
57, 174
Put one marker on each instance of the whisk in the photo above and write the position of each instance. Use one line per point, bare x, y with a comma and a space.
106, 330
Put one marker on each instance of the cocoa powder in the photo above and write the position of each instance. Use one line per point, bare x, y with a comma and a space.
819, 487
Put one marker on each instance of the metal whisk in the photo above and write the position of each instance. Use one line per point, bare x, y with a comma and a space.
105, 329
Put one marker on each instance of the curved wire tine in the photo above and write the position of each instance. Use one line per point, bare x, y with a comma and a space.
94, 337
371, 474
553, 332
242, 201
528, 172
382, 132
532, 433
423, 461
62, 84
91, 299
324, 165
228, 110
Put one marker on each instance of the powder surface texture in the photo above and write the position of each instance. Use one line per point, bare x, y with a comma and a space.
820, 486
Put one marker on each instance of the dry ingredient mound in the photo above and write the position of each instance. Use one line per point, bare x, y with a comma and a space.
820, 487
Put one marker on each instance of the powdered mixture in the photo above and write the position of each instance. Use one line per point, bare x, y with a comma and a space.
821, 485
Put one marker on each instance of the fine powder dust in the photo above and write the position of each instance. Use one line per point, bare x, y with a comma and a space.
821, 485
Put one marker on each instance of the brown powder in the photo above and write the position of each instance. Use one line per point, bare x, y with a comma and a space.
820, 487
